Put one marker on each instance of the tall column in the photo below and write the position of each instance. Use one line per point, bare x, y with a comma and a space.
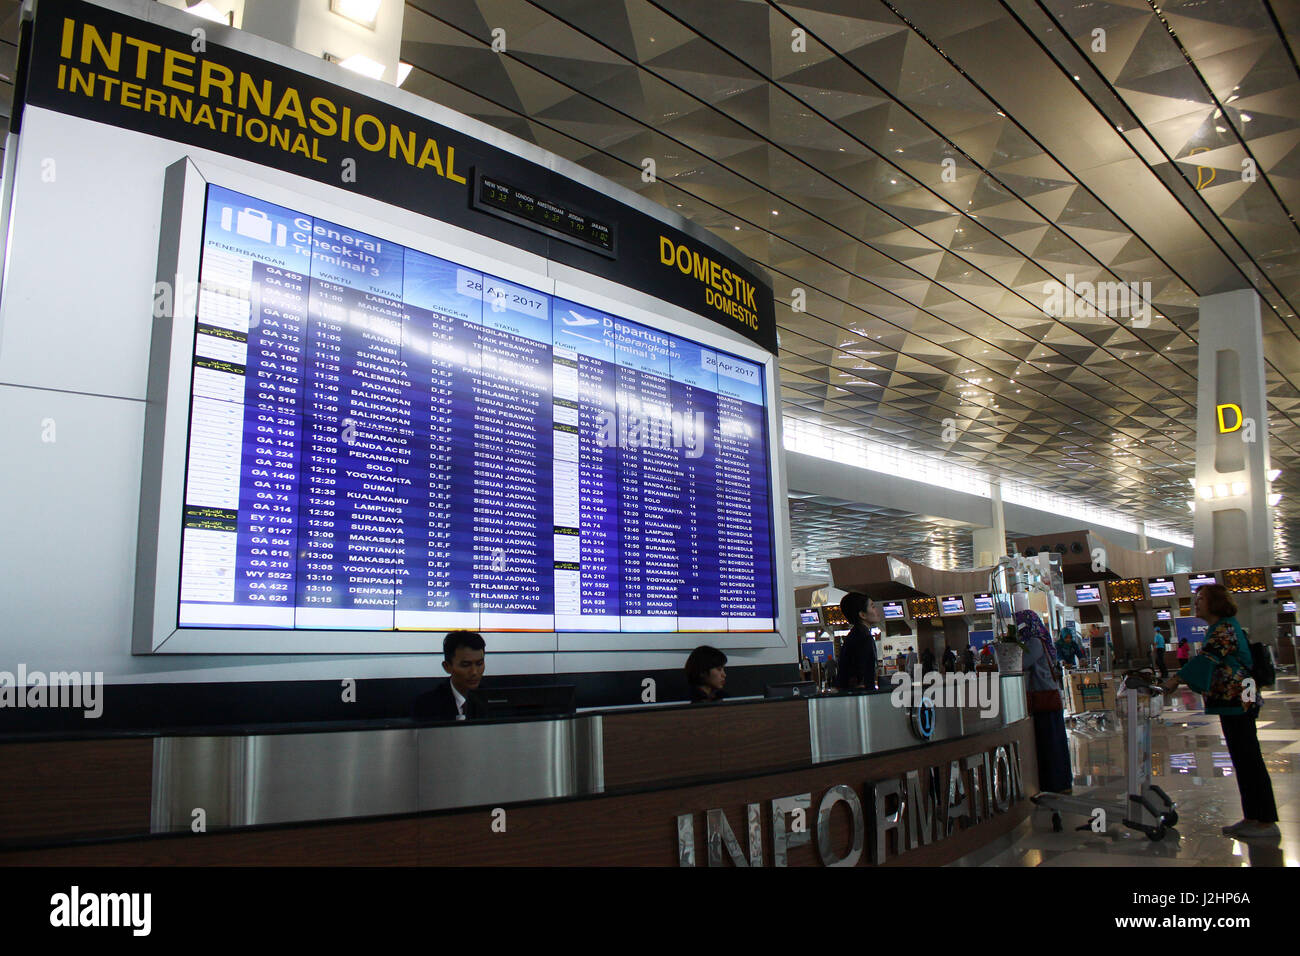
1234, 522
1142, 536
989, 544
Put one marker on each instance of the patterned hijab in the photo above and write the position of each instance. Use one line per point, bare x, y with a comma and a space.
1029, 627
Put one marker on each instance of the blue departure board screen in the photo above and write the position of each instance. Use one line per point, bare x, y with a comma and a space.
1087, 594
1286, 578
381, 439
1161, 587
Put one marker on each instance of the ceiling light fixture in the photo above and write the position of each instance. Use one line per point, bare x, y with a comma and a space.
362, 12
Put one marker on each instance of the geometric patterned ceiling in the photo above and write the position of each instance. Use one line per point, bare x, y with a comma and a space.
822, 528
922, 168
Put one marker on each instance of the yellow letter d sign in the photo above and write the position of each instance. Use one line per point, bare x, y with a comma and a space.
1219, 410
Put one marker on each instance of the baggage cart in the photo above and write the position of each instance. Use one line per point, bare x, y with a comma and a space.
1141, 805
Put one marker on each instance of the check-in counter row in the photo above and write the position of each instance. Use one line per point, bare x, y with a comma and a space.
117, 787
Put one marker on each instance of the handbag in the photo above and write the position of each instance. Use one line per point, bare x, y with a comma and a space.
1044, 700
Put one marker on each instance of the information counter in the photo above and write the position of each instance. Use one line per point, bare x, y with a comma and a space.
804, 781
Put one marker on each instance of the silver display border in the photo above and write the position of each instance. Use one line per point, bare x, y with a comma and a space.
158, 562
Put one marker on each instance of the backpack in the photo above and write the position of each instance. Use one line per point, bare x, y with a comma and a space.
1262, 666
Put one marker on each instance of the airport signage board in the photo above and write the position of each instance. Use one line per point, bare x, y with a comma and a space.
889, 817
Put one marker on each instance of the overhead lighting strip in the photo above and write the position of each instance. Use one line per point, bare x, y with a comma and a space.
829, 444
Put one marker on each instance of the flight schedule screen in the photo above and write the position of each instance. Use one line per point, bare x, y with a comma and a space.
383, 439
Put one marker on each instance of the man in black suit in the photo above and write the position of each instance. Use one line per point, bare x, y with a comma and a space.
857, 670
463, 654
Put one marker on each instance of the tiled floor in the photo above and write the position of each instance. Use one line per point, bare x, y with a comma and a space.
1190, 763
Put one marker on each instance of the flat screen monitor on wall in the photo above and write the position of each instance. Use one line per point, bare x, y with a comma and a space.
809, 616
983, 603
1161, 587
1195, 581
893, 610
392, 435
1285, 578
1087, 594
952, 604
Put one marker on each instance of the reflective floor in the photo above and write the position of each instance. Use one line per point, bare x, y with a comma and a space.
1190, 763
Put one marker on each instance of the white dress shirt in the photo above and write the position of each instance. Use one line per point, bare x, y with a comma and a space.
460, 701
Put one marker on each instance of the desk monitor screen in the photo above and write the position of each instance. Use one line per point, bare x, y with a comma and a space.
1195, 581
893, 610
382, 439
1087, 594
793, 689
1161, 587
952, 604
983, 603
809, 615
1286, 578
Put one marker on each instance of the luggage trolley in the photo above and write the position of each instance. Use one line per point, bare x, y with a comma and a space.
1143, 806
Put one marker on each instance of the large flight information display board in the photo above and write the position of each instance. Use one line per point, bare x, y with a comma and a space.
383, 439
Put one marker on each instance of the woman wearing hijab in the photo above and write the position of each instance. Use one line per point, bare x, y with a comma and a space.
1068, 649
1041, 666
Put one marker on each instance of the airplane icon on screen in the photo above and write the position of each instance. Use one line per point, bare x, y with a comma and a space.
578, 320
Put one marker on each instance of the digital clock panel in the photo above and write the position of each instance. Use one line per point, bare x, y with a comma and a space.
495, 196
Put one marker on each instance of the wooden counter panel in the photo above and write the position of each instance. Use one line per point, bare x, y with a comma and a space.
646, 747
75, 788
630, 830
638, 830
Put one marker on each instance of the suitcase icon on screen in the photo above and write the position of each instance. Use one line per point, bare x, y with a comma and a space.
252, 223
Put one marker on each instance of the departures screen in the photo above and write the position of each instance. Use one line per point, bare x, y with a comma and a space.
382, 439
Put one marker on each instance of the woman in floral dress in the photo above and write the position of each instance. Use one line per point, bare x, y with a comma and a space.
1219, 673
